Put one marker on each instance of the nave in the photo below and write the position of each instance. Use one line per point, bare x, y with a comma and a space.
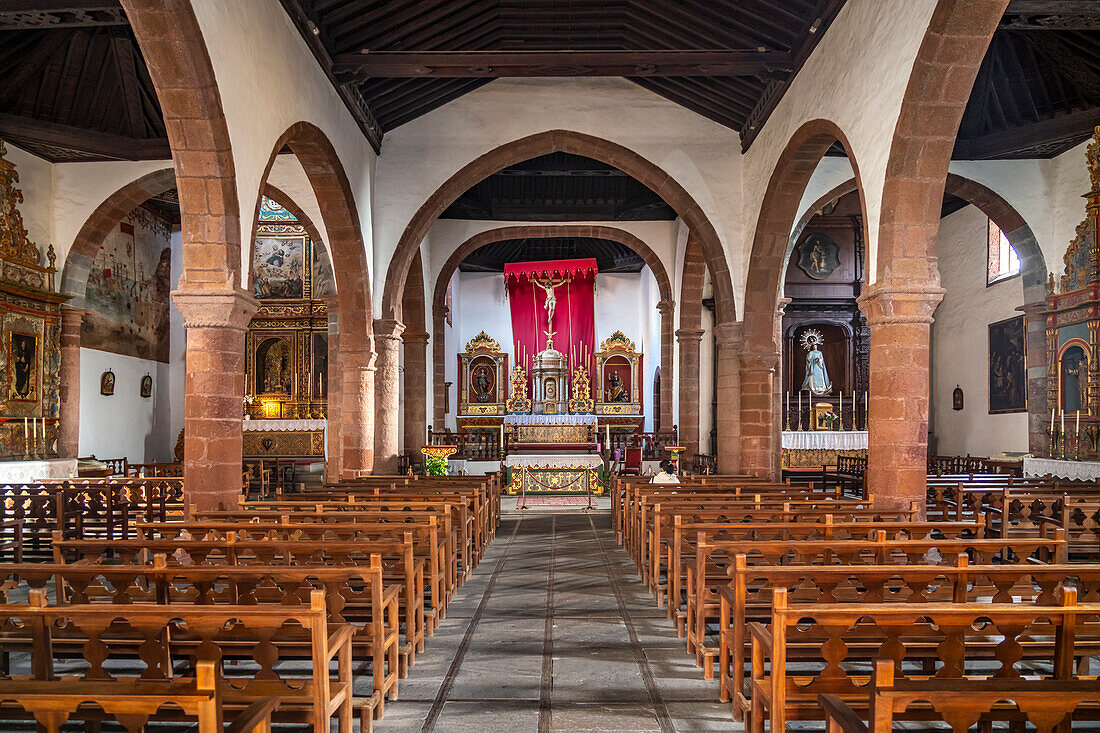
554, 632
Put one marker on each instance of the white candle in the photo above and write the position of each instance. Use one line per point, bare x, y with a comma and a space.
26, 430
1062, 415
840, 409
1077, 428
44, 426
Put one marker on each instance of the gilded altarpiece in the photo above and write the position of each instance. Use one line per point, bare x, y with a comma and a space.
483, 382
30, 326
1073, 332
617, 388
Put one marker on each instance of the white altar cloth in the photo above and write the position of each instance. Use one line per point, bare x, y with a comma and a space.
825, 440
549, 419
267, 426
21, 472
1072, 470
560, 460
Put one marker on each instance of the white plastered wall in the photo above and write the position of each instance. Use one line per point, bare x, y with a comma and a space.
268, 81
960, 343
419, 156
863, 99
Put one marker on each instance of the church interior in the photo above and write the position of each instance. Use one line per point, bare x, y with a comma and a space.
549, 365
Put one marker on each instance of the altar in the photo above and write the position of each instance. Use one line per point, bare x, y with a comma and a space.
302, 438
23, 472
564, 473
1068, 470
804, 448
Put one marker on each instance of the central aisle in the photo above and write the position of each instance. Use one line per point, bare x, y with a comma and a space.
554, 632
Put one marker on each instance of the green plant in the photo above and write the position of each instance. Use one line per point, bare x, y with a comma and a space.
436, 466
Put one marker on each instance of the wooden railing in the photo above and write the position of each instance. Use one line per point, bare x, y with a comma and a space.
115, 466
960, 465
653, 444
703, 464
155, 470
478, 445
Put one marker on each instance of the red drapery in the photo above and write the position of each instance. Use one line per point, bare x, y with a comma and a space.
574, 314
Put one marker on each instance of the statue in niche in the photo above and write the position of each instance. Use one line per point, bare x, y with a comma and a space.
817, 374
616, 390
550, 390
482, 384
1074, 380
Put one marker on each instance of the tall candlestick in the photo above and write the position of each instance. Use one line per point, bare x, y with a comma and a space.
44, 426
26, 430
840, 409
799, 409
1062, 416
1077, 428
788, 408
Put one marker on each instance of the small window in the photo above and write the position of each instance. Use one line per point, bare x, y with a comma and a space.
1003, 260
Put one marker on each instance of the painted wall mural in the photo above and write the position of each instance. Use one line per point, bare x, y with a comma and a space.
128, 292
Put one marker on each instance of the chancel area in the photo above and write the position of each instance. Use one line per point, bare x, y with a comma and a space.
601, 365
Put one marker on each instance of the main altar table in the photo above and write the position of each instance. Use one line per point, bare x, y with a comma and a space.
1070, 470
542, 473
284, 438
803, 448
550, 432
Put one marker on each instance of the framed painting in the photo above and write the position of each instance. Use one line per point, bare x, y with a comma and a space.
279, 265
1007, 366
22, 366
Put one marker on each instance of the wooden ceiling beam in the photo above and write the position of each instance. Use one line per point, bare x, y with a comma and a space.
1024, 137
22, 14
1052, 15
497, 64
85, 141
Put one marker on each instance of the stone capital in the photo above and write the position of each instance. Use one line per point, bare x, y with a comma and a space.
72, 318
886, 303
781, 307
727, 335
415, 338
666, 306
223, 308
1034, 311
388, 329
757, 361
689, 334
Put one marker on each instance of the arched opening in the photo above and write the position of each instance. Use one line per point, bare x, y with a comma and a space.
349, 413
771, 247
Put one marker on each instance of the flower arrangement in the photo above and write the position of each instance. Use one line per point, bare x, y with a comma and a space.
829, 420
436, 466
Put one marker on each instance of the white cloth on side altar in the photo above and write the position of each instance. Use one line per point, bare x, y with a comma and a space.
825, 440
1071, 470
549, 419
22, 472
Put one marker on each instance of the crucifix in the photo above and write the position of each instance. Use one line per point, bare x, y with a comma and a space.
551, 300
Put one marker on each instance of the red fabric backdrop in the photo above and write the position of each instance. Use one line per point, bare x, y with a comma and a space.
574, 314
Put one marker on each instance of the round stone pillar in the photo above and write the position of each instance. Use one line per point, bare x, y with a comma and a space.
667, 309
416, 391
68, 429
688, 340
900, 318
759, 424
215, 322
387, 339
334, 448
727, 343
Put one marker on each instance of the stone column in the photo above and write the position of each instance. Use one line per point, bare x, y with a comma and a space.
667, 308
439, 370
1035, 328
334, 445
215, 322
68, 429
688, 341
357, 369
759, 423
900, 319
416, 391
387, 336
727, 343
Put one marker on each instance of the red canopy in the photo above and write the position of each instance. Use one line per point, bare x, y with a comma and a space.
549, 268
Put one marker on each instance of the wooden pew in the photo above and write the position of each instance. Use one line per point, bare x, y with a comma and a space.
354, 595
748, 596
1049, 705
164, 636
849, 636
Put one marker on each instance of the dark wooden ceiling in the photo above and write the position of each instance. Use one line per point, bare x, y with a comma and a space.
560, 187
610, 256
73, 84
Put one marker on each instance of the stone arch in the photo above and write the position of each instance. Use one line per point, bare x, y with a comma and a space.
78, 261
351, 347
760, 390
900, 302
569, 142
326, 284
535, 231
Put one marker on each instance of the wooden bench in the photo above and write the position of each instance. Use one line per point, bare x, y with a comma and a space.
846, 638
748, 596
168, 639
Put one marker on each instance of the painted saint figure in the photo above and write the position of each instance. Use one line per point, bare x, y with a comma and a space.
817, 376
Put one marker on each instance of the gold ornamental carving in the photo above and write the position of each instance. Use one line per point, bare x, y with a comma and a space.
482, 342
581, 394
14, 244
617, 342
519, 401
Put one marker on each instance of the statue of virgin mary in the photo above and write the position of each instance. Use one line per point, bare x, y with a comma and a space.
817, 375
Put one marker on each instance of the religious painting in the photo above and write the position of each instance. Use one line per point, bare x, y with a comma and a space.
22, 367
279, 263
127, 293
818, 256
107, 383
146, 389
1007, 366
274, 367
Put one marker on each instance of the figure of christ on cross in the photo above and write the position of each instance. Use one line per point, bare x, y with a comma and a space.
551, 300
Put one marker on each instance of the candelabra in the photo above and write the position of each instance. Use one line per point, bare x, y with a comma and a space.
788, 411
1054, 434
